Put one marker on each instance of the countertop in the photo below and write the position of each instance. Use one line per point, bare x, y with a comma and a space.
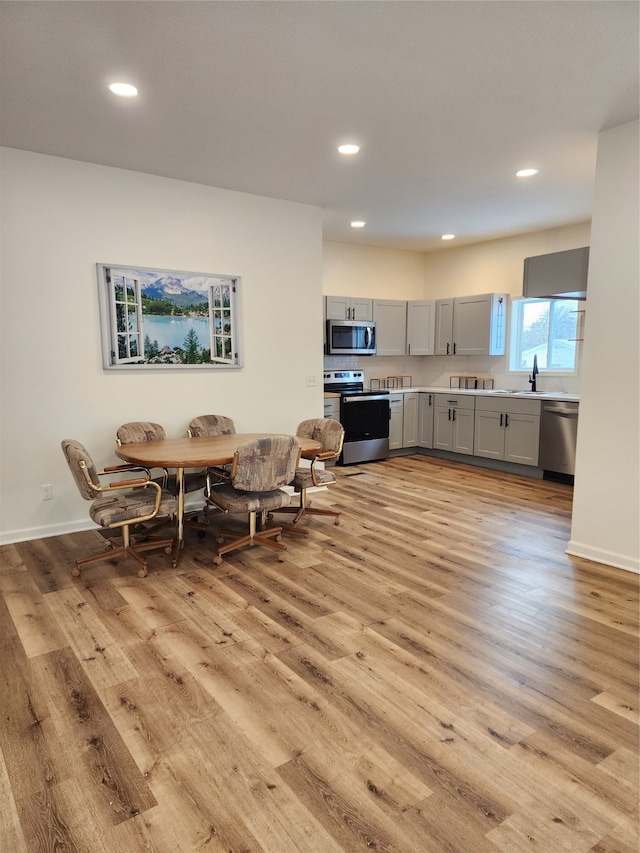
494, 392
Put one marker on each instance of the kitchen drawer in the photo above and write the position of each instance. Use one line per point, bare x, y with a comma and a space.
459, 401
505, 403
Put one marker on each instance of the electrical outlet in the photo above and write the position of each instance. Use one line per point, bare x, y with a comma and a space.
47, 492
312, 381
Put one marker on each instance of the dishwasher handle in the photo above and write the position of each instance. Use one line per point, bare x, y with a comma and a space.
564, 413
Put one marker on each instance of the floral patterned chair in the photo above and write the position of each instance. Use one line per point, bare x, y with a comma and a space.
260, 470
119, 505
330, 434
205, 425
194, 481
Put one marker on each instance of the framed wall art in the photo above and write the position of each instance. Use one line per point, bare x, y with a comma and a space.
153, 318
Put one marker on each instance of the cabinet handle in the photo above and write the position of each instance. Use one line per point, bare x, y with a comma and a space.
447, 347
429, 399
501, 418
506, 420
449, 414
454, 349
454, 415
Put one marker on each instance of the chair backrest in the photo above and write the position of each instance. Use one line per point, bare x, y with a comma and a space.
266, 464
78, 459
328, 431
139, 431
205, 425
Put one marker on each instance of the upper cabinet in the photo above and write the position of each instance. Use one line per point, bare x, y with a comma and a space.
471, 325
390, 316
421, 327
557, 274
348, 308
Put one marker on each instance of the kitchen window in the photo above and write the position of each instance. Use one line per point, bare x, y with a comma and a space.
161, 318
548, 329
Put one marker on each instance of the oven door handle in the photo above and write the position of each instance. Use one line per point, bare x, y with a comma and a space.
365, 397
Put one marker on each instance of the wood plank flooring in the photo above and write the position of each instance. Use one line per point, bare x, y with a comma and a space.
433, 675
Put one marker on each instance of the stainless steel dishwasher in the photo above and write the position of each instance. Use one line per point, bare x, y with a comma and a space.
558, 432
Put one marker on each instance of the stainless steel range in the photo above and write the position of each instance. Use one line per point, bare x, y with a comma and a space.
363, 414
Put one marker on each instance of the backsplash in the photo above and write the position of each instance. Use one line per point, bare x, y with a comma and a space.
437, 370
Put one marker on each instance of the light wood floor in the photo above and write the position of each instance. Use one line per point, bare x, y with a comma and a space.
434, 674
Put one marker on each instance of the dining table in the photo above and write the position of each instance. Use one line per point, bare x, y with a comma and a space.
206, 451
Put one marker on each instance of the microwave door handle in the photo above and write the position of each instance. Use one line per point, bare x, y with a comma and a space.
367, 337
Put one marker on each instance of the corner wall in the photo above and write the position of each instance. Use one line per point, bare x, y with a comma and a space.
61, 217
606, 509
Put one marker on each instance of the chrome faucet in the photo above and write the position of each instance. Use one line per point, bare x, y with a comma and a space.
533, 374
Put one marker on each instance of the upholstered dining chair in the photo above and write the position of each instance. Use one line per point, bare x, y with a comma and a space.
119, 505
330, 434
206, 425
194, 481
260, 470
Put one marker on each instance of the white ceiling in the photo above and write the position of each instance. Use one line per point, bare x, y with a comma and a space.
447, 100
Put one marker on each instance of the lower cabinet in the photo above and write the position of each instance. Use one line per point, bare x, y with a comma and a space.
453, 423
426, 405
410, 419
395, 421
507, 430
332, 408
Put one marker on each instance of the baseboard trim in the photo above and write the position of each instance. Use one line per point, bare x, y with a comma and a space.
10, 537
597, 555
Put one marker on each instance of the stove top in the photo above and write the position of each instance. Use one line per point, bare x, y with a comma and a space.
348, 382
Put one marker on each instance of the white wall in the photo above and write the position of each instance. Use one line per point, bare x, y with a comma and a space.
349, 270
495, 266
606, 512
60, 218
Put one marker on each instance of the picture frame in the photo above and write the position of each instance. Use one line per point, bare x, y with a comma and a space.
158, 319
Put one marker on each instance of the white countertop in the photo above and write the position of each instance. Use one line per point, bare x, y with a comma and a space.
493, 392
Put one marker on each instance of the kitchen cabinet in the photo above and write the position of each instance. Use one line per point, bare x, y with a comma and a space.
332, 408
557, 273
421, 327
410, 419
426, 405
471, 325
395, 421
390, 317
453, 423
348, 308
507, 429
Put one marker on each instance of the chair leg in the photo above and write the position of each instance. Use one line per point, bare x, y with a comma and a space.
303, 508
125, 548
268, 536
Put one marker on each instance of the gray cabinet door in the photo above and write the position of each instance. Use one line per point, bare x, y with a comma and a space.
489, 434
410, 419
462, 438
395, 422
348, 308
442, 430
444, 327
425, 419
421, 327
471, 325
390, 317
522, 439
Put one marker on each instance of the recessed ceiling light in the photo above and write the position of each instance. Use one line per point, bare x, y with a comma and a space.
358, 224
447, 236
125, 90
348, 149
526, 173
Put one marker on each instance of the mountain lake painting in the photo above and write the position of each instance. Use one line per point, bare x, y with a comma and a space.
166, 318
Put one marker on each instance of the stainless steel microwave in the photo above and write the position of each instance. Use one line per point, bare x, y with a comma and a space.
351, 337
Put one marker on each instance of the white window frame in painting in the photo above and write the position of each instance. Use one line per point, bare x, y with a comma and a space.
126, 346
